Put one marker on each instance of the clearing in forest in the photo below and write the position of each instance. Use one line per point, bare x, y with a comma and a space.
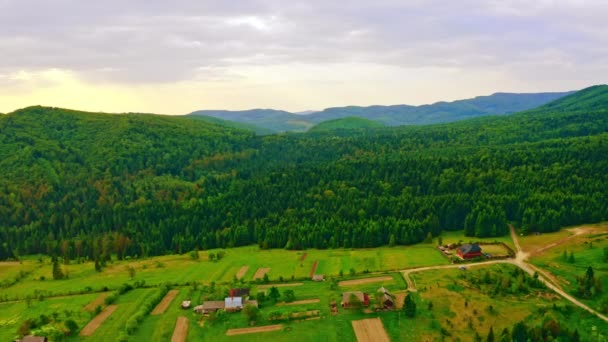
231, 332
298, 302
259, 274
99, 301
90, 328
164, 304
364, 281
241, 272
370, 330
181, 330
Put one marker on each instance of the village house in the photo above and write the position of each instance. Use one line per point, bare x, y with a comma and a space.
362, 297
469, 251
229, 304
387, 300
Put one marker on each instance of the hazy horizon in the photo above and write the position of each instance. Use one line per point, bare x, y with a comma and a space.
143, 56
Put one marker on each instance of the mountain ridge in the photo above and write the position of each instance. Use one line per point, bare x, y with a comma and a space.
499, 103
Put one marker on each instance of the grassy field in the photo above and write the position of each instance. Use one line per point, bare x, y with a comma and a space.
181, 269
462, 308
458, 236
588, 251
12, 315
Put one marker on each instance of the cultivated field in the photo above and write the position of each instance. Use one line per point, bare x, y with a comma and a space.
370, 330
90, 328
259, 274
181, 330
164, 303
241, 273
242, 331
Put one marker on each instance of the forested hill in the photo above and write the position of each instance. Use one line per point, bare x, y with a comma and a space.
87, 185
440, 112
348, 123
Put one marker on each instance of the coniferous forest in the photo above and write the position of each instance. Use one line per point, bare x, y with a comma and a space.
85, 185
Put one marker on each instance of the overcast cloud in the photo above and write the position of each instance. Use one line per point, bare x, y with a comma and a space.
240, 54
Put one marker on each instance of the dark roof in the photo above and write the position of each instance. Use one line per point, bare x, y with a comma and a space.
213, 305
469, 248
241, 292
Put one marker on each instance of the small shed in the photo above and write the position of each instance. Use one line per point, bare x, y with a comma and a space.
186, 304
232, 304
387, 299
209, 306
318, 277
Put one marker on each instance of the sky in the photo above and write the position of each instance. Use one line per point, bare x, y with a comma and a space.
175, 57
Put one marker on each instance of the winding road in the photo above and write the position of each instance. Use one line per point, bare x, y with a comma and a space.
520, 261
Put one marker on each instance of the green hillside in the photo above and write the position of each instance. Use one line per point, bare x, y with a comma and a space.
86, 185
232, 124
347, 123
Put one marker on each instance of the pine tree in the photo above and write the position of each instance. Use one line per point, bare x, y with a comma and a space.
57, 272
409, 306
490, 337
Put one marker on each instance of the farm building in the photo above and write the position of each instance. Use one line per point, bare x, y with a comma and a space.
233, 304
388, 302
469, 251
318, 277
362, 297
239, 293
186, 304
209, 306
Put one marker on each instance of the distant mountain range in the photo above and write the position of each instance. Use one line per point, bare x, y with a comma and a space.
265, 121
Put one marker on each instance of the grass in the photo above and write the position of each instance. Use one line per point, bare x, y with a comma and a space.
449, 237
461, 309
128, 304
588, 251
443, 287
181, 269
13, 314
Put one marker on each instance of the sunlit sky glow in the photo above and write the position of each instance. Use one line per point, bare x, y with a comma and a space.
174, 57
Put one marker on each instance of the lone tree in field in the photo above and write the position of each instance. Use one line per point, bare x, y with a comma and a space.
57, 272
131, 271
289, 296
274, 294
409, 306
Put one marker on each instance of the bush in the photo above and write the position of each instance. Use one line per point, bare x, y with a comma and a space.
111, 298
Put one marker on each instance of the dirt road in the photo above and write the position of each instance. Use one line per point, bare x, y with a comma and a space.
519, 261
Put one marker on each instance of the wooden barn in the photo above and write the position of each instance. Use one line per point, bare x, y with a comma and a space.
469, 251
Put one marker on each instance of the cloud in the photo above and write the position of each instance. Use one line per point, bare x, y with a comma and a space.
144, 42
